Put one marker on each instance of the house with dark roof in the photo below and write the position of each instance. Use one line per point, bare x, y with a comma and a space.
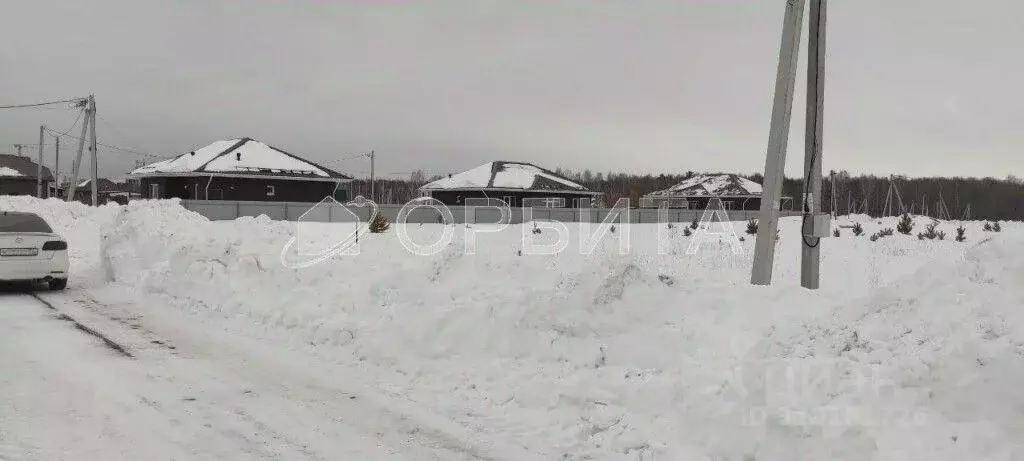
516, 183
18, 176
735, 192
240, 169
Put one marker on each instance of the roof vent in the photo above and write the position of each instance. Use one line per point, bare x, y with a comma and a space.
449, 176
193, 153
238, 156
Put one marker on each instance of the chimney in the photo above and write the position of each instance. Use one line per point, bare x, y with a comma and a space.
238, 156
193, 153
449, 176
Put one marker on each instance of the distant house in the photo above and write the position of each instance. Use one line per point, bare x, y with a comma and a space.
735, 192
18, 176
83, 191
240, 169
517, 183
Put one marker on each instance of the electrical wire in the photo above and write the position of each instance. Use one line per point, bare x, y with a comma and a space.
108, 146
20, 106
73, 125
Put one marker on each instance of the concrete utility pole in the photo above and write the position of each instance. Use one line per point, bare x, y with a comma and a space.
56, 165
815, 224
778, 137
39, 167
372, 181
95, 162
810, 257
77, 164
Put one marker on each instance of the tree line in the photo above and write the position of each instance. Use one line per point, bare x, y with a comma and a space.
940, 197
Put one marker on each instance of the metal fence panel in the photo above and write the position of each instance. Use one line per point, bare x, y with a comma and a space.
293, 211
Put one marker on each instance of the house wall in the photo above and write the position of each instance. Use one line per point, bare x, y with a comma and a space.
22, 186
248, 189
515, 198
730, 203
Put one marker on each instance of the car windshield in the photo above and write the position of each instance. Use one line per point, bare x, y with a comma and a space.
23, 222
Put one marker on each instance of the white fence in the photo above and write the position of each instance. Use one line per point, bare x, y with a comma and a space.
292, 211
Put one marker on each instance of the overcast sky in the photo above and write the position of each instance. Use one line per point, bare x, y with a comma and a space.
918, 87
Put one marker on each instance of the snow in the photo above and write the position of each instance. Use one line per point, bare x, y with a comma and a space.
255, 156
603, 356
188, 162
510, 175
8, 171
722, 184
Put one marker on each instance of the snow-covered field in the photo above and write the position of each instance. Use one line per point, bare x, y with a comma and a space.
912, 349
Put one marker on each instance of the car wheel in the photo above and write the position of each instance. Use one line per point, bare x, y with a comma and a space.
58, 284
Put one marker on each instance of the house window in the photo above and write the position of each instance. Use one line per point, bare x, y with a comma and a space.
508, 200
270, 191
154, 191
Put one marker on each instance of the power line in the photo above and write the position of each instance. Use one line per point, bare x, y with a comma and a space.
78, 101
73, 125
108, 146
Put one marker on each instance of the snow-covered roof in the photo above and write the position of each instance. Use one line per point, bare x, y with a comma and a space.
714, 185
21, 167
243, 156
5, 171
506, 175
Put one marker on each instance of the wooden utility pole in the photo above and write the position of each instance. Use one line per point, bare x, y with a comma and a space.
778, 137
39, 167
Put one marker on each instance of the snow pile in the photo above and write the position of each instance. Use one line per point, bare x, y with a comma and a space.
911, 349
641, 356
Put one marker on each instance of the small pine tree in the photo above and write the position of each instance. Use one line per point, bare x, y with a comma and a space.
906, 224
929, 231
858, 230
885, 232
835, 233
379, 224
670, 225
874, 237
687, 232
612, 229
695, 222
920, 236
752, 226
987, 227
960, 234
996, 227
536, 230
941, 235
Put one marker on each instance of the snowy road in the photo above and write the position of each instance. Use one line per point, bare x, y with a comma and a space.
65, 394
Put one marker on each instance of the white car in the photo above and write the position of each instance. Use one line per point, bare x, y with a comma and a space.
30, 251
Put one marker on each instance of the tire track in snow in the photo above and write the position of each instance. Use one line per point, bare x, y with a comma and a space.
409, 429
111, 344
